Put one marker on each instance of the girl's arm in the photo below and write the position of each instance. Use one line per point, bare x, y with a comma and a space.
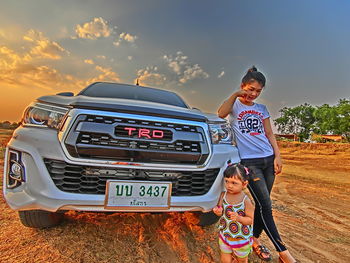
248, 219
218, 209
272, 139
226, 107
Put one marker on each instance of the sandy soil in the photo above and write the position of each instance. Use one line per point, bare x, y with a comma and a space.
311, 205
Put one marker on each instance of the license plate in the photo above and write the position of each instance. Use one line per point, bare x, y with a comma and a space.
137, 195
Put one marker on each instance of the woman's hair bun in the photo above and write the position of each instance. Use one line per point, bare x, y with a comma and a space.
252, 69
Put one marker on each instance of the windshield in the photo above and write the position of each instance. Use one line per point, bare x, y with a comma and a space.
132, 92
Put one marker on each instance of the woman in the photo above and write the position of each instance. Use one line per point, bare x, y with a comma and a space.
259, 151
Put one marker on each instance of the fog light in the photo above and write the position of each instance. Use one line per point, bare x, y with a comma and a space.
15, 171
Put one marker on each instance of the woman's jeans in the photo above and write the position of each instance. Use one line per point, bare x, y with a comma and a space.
260, 187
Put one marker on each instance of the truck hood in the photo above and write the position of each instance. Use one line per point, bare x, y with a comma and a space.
129, 106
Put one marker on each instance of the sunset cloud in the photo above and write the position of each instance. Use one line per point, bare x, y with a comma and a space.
19, 70
8, 58
185, 70
43, 77
44, 48
89, 61
222, 73
94, 29
150, 77
176, 63
107, 74
125, 37
193, 72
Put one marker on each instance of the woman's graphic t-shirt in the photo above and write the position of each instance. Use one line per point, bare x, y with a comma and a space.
247, 124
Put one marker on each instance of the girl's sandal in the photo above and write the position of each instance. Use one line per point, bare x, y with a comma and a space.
263, 252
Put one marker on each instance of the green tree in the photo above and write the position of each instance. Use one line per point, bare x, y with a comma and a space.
343, 110
333, 119
326, 119
298, 120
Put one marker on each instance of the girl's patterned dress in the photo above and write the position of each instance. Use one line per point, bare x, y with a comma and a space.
233, 236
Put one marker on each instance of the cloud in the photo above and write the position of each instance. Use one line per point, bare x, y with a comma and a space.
44, 48
222, 73
20, 70
150, 77
126, 37
94, 29
193, 72
89, 61
43, 77
8, 58
176, 63
107, 74
185, 70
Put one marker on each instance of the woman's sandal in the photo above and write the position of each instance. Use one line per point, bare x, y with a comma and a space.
260, 250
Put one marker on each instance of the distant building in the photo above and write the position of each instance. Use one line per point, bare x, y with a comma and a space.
327, 138
292, 137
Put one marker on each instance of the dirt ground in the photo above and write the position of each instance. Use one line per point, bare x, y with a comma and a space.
311, 206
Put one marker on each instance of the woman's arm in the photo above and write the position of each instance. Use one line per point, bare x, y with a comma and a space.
226, 107
272, 139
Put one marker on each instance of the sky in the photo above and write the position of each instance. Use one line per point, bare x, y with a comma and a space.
199, 49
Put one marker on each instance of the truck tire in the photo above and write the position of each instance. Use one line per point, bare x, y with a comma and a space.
39, 218
207, 219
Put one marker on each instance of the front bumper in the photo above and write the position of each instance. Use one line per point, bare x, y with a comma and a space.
39, 191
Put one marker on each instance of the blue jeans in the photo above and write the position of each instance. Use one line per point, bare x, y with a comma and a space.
260, 187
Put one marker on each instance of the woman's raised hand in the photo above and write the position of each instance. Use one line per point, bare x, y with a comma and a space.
241, 93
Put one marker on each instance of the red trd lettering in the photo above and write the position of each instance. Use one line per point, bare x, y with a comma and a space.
130, 130
145, 133
157, 134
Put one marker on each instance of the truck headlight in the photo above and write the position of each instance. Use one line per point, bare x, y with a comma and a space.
221, 133
45, 115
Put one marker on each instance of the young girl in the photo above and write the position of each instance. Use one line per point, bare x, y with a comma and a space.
259, 151
236, 211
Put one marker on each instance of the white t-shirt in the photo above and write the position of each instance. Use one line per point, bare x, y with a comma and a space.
247, 124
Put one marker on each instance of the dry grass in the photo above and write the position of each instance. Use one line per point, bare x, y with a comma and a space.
311, 207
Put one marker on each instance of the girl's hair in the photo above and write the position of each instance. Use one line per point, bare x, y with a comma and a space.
238, 170
254, 75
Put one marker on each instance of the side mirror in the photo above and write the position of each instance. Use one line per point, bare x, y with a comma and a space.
67, 94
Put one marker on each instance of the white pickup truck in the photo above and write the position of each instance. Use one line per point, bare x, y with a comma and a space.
115, 148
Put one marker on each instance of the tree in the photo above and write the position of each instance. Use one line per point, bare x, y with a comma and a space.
6, 125
298, 120
325, 119
343, 110
334, 119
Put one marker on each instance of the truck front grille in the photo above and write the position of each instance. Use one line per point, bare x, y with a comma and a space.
81, 179
134, 140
